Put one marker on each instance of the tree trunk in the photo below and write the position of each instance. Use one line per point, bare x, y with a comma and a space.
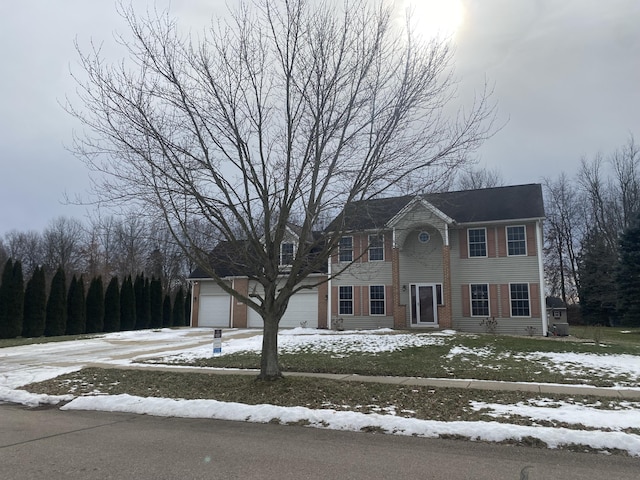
269, 366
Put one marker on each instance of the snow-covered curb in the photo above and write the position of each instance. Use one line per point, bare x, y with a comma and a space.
353, 421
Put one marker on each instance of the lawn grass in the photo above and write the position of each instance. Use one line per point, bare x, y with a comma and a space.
614, 335
20, 341
487, 357
427, 403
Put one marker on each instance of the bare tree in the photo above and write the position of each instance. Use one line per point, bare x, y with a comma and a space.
289, 110
131, 245
564, 230
474, 178
61, 242
26, 247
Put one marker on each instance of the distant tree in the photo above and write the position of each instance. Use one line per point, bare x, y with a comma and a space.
475, 178
95, 306
597, 288
563, 232
127, 305
35, 305
26, 247
628, 276
56, 319
76, 314
155, 298
5, 298
61, 242
143, 306
112, 306
166, 311
177, 315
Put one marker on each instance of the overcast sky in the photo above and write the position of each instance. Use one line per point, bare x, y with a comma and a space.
566, 76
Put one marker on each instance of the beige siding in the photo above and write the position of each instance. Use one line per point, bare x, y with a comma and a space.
367, 273
494, 271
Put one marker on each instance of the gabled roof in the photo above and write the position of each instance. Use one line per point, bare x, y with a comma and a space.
516, 202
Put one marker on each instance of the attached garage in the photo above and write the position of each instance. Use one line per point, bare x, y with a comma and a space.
214, 311
303, 307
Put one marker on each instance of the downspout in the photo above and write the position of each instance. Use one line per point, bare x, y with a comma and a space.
329, 326
543, 306
233, 303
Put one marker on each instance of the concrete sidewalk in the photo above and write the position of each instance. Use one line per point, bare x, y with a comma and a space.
559, 389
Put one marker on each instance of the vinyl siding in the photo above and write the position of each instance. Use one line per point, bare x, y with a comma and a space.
498, 271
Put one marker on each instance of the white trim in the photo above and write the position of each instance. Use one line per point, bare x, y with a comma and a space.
435, 322
384, 300
329, 280
488, 301
369, 235
543, 303
506, 238
352, 249
511, 315
506, 221
437, 212
486, 243
353, 301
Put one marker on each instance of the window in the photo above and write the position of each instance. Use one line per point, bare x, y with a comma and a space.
345, 296
477, 242
286, 253
376, 247
479, 300
439, 294
516, 241
519, 293
345, 249
376, 299
424, 237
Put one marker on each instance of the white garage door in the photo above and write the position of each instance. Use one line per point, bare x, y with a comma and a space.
214, 311
303, 307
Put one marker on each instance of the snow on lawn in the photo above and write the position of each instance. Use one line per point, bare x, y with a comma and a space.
322, 341
26, 364
566, 363
353, 421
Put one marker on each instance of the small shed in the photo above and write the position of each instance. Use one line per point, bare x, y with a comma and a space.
557, 316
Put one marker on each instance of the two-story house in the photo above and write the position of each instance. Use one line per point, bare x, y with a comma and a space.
468, 260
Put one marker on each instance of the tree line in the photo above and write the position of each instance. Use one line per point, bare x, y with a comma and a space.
592, 237
79, 307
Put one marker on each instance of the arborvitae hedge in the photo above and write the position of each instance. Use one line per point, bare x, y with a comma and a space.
177, 316
5, 288
56, 318
155, 298
16, 304
95, 306
76, 319
35, 304
166, 311
112, 306
187, 307
127, 305
143, 306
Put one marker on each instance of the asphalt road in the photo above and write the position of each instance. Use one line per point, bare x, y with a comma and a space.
47, 443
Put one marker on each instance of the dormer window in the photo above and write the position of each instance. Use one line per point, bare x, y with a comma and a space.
287, 250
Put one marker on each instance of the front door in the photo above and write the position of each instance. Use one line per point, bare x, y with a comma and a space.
424, 304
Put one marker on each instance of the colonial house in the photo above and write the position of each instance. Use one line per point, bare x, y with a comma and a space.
468, 260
